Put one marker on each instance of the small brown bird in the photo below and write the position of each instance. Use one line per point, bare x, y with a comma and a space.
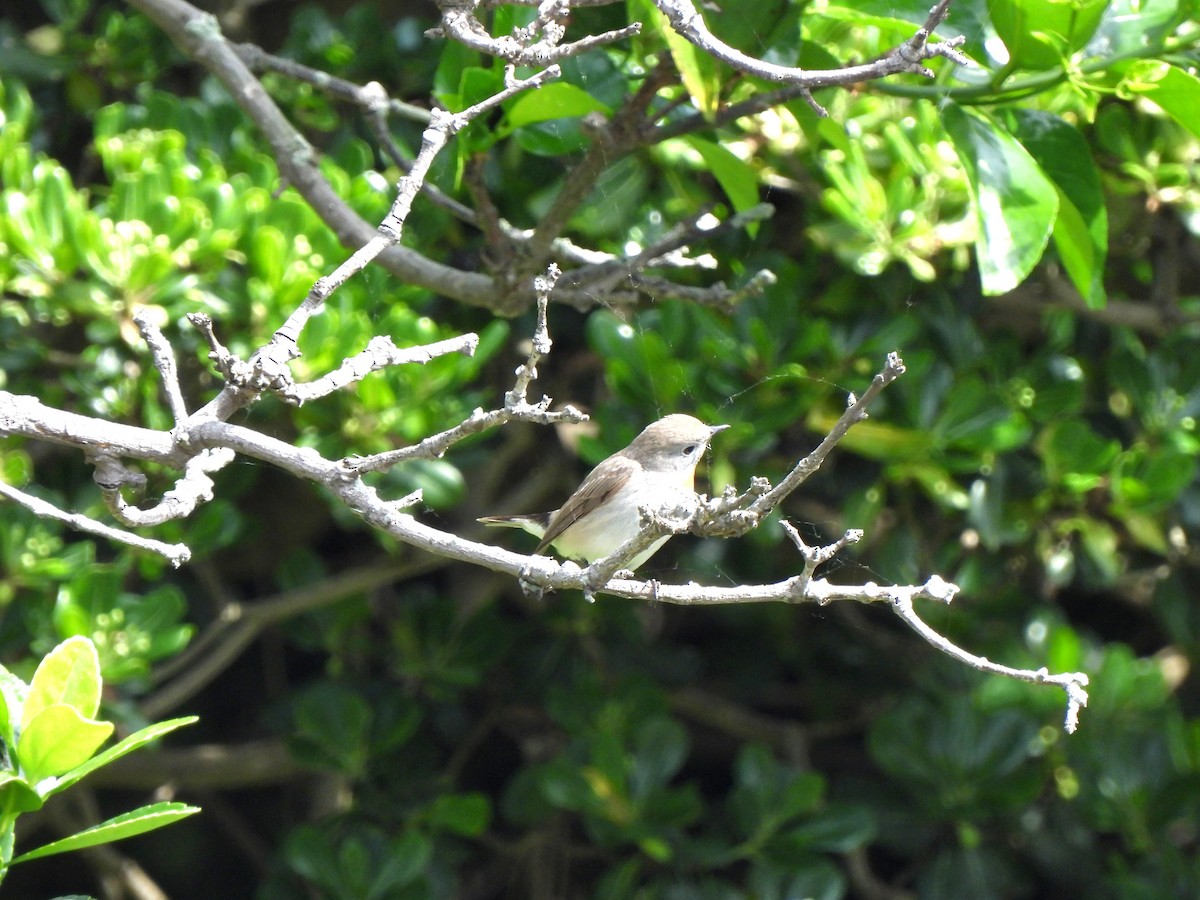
658, 468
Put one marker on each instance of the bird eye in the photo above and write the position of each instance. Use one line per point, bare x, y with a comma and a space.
689, 449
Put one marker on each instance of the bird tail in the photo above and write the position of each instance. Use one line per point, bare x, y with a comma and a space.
534, 523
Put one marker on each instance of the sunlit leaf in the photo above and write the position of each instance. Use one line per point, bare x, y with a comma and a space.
1176, 91
126, 745
1081, 229
69, 674
556, 100
1016, 205
127, 825
57, 740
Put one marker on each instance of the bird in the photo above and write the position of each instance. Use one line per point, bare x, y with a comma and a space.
658, 468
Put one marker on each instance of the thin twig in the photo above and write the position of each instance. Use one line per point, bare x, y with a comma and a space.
1073, 683
192, 489
175, 554
909, 57
163, 355
380, 353
516, 403
522, 48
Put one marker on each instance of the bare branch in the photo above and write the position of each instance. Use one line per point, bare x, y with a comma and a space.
28, 416
516, 404
685, 19
1073, 683
368, 96
815, 556
194, 488
669, 250
199, 37
164, 360
734, 514
442, 127
856, 411
540, 345
545, 574
380, 353
175, 554
523, 47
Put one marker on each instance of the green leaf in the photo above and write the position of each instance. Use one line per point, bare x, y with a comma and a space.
557, 100
440, 482
478, 83
332, 727
123, 747
954, 758
975, 417
1176, 91
1040, 34
661, 748
126, 825
698, 70
1129, 26
1081, 229
69, 674
1015, 203
57, 740
465, 814
406, 860
812, 878
1075, 456
13, 692
838, 829
769, 793
562, 784
1151, 480
16, 796
737, 178
981, 873
749, 26
456, 58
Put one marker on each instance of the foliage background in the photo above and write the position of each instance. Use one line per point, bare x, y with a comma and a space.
436, 733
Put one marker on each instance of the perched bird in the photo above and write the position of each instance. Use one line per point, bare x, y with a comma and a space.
657, 469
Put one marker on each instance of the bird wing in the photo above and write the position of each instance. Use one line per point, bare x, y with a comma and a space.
604, 481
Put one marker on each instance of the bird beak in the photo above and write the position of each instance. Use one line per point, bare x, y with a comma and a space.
714, 429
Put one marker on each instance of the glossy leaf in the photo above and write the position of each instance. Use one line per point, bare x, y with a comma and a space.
1081, 228
13, 692
801, 876
126, 825
57, 740
661, 748
1075, 456
1129, 26
1016, 204
1041, 34
700, 73
736, 177
465, 814
17, 796
126, 745
69, 674
981, 873
557, 100
407, 858
836, 829
1176, 91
